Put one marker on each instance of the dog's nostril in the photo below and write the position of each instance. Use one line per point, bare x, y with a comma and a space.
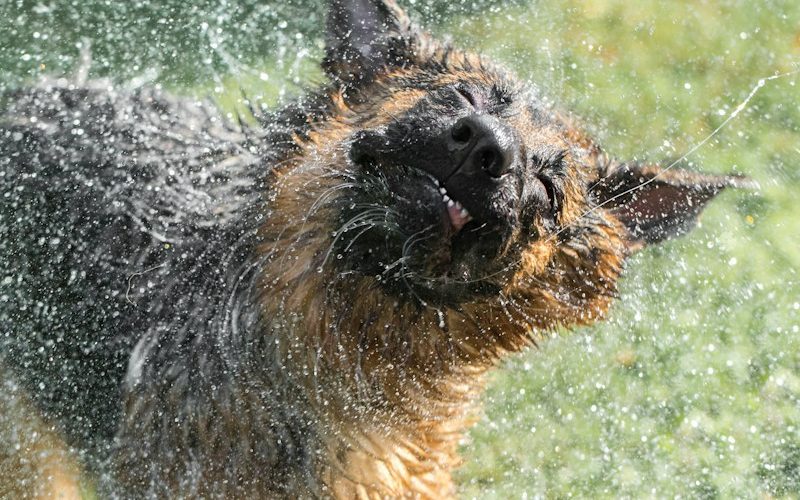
462, 132
488, 159
482, 143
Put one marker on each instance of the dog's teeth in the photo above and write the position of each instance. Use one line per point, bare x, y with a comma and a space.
458, 205
446, 198
450, 202
464, 213
436, 181
442, 190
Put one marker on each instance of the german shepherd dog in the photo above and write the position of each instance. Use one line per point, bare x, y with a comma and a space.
307, 306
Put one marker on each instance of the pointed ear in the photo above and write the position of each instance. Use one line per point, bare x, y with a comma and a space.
365, 36
655, 204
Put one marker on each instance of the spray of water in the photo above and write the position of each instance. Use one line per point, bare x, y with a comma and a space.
741, 107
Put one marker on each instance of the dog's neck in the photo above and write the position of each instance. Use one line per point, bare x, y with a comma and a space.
395, 385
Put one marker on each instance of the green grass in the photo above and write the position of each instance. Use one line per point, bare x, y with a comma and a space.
691, 387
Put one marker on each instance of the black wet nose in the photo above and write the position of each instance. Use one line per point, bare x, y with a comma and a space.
481, 142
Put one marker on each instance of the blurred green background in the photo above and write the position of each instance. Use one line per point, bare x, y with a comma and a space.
691, 387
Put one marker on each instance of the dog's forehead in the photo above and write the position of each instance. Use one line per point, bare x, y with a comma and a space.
403, 90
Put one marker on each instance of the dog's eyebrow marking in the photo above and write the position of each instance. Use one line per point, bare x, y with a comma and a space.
502, 94
549, 158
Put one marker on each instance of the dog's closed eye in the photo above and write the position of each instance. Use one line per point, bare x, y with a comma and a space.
469, 96
552, 194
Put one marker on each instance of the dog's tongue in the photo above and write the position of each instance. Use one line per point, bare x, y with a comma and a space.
457, 217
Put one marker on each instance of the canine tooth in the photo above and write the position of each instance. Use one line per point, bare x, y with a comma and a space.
442, 190
458, 205
446, 198
450, 203
464, 213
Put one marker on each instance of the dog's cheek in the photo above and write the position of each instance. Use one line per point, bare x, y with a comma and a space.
570, 282
533, 262
575, 201
589, 267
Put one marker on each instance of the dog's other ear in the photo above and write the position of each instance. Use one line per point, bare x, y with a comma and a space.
365, 36
655, 204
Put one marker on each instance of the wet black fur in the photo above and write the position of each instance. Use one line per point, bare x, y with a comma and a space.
131, 215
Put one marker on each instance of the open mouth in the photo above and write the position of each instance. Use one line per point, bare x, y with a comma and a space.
459, 216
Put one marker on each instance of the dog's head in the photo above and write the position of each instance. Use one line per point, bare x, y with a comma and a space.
441, 179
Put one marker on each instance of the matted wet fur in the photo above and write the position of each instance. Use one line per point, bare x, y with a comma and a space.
305, 307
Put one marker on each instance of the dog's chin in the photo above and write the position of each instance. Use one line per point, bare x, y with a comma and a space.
459, 286
429, 260
429, 281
